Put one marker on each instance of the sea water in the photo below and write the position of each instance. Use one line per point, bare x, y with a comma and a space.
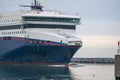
72, 72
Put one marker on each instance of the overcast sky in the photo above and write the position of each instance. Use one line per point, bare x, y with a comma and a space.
99, 18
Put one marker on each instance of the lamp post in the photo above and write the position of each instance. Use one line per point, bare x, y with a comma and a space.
118, 51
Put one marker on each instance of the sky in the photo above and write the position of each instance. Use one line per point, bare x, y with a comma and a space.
100, 22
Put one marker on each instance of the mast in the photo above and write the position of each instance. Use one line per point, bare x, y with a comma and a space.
35, 6
35, 3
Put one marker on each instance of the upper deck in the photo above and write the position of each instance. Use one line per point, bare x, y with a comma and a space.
38, 18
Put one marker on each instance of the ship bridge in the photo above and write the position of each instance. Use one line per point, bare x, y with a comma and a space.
50, 20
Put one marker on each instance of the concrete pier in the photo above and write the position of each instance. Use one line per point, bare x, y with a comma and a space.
93, 60
117, 67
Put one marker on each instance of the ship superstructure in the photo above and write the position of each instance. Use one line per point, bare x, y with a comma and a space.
38, 36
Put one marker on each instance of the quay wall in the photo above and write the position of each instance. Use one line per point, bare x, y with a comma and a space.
93, 60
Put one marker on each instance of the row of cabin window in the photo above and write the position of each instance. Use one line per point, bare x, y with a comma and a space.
16, 32
10, 20
13, 15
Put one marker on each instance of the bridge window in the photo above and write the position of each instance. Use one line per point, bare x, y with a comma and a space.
52, 19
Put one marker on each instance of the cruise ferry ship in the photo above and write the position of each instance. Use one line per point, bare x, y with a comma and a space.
38, 36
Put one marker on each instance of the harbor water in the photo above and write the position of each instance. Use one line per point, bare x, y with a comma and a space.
72, 72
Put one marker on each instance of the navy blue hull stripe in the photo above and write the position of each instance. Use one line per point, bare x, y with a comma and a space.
34, 41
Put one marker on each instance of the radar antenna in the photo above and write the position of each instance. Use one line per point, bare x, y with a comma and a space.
35, 6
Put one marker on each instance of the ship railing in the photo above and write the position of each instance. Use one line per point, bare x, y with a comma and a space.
38, 12
55, 11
